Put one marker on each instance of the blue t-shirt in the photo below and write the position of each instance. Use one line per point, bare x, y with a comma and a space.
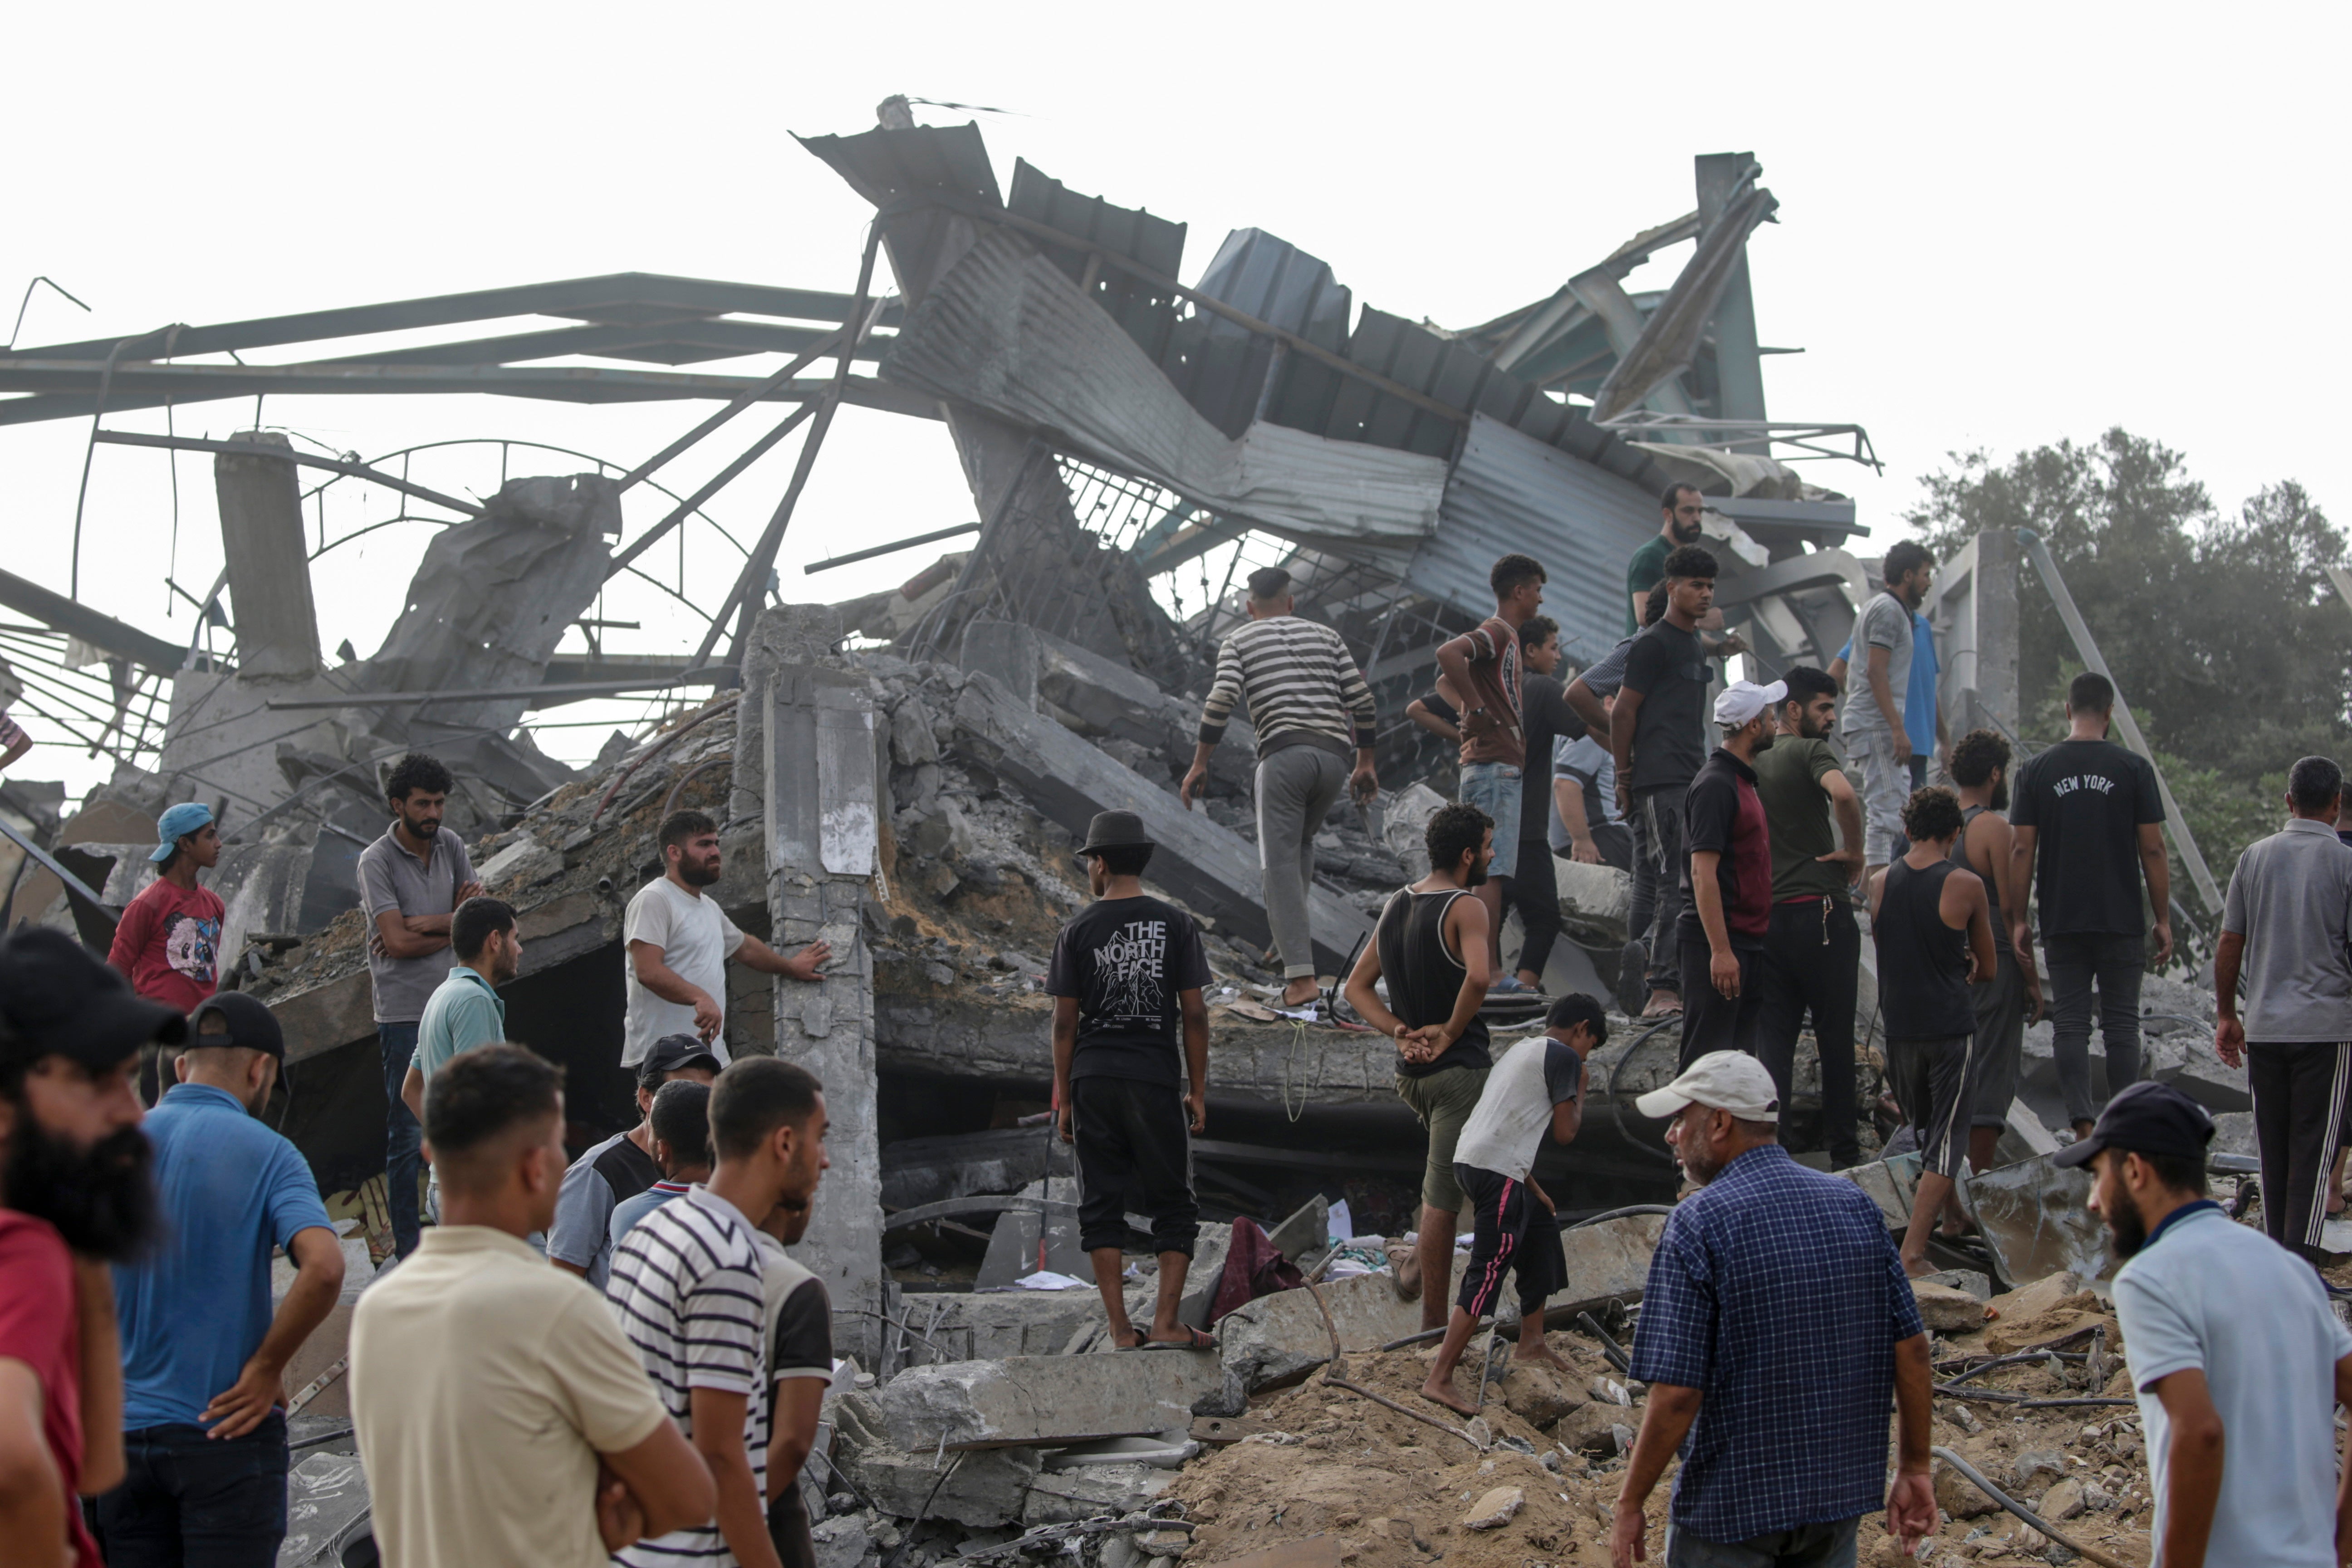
191, 1316
628, 1211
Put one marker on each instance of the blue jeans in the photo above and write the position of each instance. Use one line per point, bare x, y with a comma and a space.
1806, 1546
401, 1136
1494, 788
189, 1501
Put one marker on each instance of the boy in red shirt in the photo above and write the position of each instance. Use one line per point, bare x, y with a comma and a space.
168, 942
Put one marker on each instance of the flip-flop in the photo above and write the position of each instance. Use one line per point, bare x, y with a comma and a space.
1142, 1342
1198, 1341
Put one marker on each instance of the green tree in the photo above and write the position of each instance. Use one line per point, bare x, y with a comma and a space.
2223, 631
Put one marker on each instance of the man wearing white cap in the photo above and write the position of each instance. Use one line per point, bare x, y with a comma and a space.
1726, 878
1776, 1321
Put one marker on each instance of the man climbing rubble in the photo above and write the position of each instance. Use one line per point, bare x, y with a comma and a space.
1310, 707
2236, 1359
1537, 1088
1126, 978
1431, 946
680, 941
1776, 1321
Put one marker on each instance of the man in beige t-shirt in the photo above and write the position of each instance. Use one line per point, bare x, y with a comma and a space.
486, 1387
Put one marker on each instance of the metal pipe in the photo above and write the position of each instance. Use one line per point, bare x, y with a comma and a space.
830, 562
2022, 1512
742, 400
715, 483
285, 455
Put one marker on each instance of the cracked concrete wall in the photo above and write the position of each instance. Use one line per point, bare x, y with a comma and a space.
819, 746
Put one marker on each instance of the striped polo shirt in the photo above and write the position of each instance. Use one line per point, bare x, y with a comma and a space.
687, 1286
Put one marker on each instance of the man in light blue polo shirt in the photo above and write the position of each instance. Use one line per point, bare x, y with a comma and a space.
2237, 1360
465, 1010
203, 1356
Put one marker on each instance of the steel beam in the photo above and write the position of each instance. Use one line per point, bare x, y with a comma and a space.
101, 631
285, 455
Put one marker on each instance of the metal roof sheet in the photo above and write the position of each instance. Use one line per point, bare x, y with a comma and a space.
1511, 491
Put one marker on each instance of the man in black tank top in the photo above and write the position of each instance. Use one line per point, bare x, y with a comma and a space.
1934, 930
1431, 947
2012, 998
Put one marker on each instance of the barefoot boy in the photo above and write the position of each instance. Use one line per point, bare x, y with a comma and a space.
1538, 1086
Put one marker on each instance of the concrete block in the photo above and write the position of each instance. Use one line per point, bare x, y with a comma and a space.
993, 1325
1946, 1311
985, 1491
326, 1497
1596, 902
1281, 1338
2037, 1221
1304, 1232
1605, 1260
1405, 823
1966, 1280
1206, 1272
519, 864
260, 506
1889, 1185
844, 1542
1042, 1400
1060, 1497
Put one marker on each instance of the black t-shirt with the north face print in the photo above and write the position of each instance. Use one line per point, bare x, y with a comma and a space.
1125, 960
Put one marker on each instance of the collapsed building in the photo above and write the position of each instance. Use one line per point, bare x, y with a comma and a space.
904, 775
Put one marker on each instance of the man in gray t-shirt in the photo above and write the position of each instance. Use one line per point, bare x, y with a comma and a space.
1876, 686
2286, 926
411, 881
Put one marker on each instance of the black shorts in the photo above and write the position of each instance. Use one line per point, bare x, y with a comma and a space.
1510, 1232
1935, 1081
1134, 1147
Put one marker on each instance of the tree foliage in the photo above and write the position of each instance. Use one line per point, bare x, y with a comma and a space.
2225, 635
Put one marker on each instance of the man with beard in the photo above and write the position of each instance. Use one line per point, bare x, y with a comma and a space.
1131, 1048
503, 1418
1678, 524
609, 1173
2286, 926
411, 882
1874, 730
679, 942
688, 1290
1431, 946
76, 1194
1775, 1322
466, 1010
203, 1356
1932, 922
2236, 1359
1813, 951
2012, 998
1726, 879
796, 1358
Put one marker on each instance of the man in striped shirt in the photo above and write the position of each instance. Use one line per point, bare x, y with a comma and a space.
687, 1286
1310, 707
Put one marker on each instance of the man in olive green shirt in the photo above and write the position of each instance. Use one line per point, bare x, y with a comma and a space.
1681, 505
1813, 948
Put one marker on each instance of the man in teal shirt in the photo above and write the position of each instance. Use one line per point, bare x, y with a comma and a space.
466, 1010
1681, 505
203, 1354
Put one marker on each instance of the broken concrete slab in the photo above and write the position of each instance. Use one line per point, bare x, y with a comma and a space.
1012, 1246
1059, 1497
1280, 1337
326, 1501
1305, 1231
1002, 1160
1596, 902
984, 1491
1007, 651
1605, 1261
1042, 1400
1211, 869
2036, 1220
993, 1325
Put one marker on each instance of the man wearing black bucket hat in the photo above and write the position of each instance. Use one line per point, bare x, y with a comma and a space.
76, 1194
2236, 1358
205, 1353
1126, 979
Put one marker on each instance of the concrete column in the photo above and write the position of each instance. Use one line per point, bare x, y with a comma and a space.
1995, 601
268, 563
1738, 367
821, 790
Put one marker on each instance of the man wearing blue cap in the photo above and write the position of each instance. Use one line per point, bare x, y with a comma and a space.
168, 942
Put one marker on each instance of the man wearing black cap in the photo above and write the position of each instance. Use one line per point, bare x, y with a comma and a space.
2236, 1358
622, 1167
203, 1356
76, 1194
1311, 709
1126, 979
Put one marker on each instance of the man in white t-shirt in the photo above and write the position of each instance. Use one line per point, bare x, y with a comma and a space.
680, 942
1536, 1089
2236, 1358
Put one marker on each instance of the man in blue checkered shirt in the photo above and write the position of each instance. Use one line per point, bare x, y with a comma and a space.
1776, 1321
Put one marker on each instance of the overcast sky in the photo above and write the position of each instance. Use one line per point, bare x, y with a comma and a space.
1998, 226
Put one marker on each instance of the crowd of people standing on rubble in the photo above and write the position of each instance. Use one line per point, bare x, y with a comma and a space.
655, 1394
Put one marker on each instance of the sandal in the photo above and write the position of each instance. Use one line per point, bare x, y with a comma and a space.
1196, 1341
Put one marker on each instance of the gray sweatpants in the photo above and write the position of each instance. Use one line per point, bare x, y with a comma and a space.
1296, 786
